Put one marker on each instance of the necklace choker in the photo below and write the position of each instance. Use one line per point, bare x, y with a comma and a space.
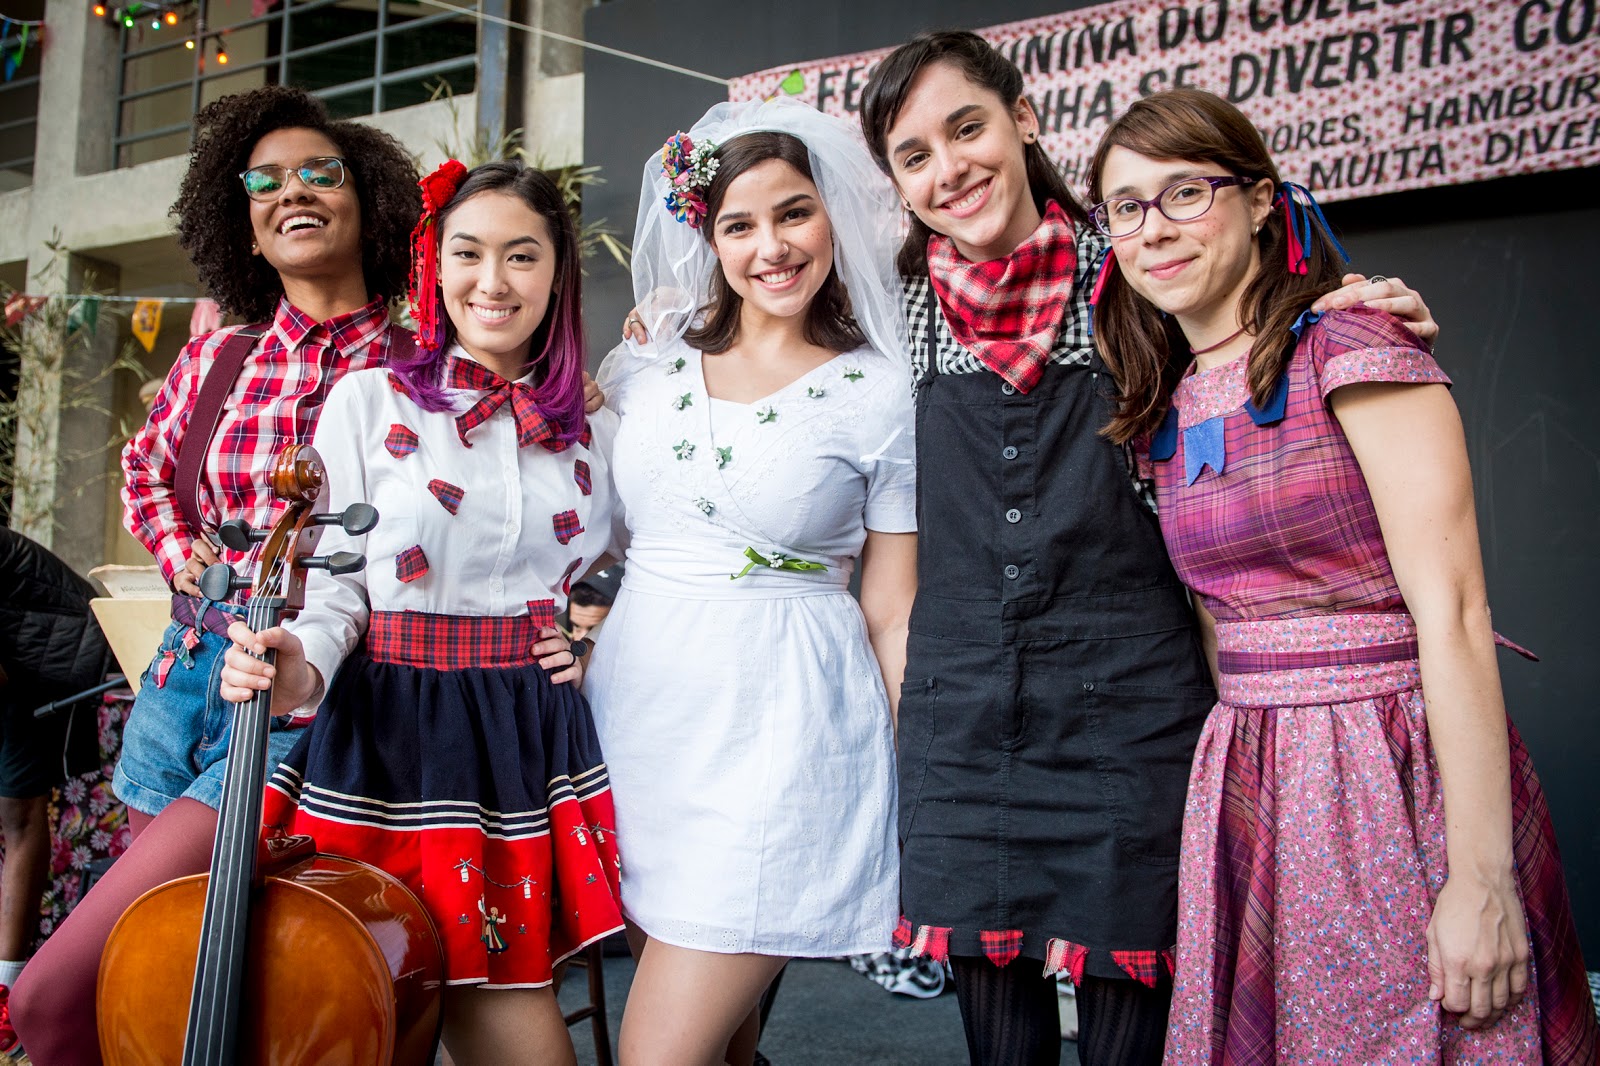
1228, 339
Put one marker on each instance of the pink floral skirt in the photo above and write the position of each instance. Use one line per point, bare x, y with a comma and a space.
1313, 851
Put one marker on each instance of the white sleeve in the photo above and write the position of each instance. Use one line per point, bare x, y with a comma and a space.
891, 464
336, 610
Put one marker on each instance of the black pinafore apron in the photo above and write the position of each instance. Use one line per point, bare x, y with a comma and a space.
1055, 686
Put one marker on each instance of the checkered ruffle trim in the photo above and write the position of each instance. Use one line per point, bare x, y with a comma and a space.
1063, 958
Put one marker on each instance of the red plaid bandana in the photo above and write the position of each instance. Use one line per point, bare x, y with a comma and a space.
1008, 311
532, 425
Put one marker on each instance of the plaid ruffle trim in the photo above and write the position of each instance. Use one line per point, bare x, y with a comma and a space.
1063, 958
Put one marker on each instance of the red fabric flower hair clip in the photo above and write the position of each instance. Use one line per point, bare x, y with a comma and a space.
438, 189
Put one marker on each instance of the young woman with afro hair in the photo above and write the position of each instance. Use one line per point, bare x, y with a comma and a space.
301, 225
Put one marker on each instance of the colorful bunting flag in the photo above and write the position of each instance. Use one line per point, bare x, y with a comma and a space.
146, 322
19, 306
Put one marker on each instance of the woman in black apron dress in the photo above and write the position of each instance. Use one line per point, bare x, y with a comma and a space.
1054, 683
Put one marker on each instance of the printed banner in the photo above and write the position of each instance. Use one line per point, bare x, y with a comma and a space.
1354, 97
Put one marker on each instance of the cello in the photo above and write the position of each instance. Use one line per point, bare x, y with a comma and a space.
279, 955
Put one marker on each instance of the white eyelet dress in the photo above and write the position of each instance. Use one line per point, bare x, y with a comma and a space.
744, 718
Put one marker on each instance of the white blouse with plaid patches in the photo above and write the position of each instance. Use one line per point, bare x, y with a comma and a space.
489, 556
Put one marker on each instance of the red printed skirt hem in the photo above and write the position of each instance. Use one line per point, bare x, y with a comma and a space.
483, 789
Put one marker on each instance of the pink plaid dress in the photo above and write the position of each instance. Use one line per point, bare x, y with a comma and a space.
1314, 835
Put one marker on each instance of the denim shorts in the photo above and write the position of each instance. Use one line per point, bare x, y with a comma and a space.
175, 744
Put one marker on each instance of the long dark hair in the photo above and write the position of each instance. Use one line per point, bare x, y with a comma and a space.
556, 349
829, 323
213, 211
886, 96
1144, 351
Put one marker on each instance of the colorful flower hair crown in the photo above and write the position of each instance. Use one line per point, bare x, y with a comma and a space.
688, 168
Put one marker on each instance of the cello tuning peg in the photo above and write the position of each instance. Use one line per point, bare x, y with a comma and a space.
359, 518
355, 520
219, 582
337, 563
237, 535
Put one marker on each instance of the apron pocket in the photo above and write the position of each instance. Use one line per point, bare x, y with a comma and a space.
913, 742
1143, 739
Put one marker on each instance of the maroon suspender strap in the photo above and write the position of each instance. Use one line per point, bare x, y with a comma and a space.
402, 344
206, 411
204, 415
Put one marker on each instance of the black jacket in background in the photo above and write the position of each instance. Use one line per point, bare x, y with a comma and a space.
50, 644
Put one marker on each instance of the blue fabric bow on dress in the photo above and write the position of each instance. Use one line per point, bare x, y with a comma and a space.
1205, 443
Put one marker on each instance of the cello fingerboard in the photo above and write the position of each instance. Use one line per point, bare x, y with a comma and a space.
216, 1007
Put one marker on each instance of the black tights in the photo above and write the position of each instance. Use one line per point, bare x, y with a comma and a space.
1011, 1016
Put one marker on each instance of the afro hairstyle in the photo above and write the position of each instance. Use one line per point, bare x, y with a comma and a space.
213, 211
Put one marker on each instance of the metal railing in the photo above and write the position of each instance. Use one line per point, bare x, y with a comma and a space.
372, 92
19, 116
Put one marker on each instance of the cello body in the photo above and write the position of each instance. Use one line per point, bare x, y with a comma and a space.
278, 955
344, 970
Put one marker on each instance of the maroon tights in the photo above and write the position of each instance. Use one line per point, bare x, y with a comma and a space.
53, 1004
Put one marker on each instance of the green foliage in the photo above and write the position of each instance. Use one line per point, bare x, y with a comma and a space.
593, 235
43, 350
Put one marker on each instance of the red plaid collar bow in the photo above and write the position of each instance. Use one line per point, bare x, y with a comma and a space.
1008, 311
532, 425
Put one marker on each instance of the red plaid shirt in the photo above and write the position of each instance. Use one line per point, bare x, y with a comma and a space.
275, 402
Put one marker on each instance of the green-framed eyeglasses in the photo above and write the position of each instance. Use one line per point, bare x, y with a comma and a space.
319, 174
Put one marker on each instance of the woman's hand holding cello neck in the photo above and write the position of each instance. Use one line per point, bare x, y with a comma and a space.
292, 679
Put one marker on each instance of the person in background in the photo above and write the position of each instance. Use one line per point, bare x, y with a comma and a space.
1368, 871
50, 648
590, 602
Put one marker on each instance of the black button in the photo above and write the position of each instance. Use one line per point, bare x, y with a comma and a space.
1013, 516
1008, 389
1009, 452
1088, 686
1012, 571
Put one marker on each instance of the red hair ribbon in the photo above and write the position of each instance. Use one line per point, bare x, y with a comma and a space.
1108, 263
438, 189
1297, 254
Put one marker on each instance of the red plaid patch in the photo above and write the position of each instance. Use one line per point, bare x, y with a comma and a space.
1007, 311
162, 667
580, 474
399, 386
542, 613
1142, 966
904, 934
401, 441
449, 495
566, 578
410, 564
453, 642
1063, 957
1002, 945
586, 437
933, 941
567, 525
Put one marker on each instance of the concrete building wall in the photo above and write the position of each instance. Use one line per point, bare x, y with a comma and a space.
114, 224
